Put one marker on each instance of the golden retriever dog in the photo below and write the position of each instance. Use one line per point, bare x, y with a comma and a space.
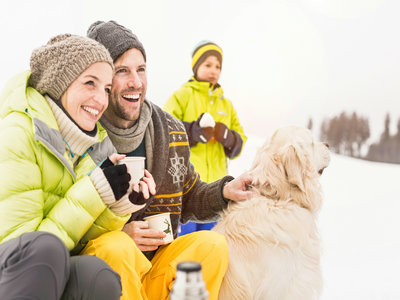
274, 251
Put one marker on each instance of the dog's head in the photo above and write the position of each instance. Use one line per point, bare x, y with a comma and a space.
288, 165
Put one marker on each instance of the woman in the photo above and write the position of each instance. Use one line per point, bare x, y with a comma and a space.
58, 188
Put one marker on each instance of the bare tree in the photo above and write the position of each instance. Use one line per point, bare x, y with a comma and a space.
310, 124
346, 134
388, 147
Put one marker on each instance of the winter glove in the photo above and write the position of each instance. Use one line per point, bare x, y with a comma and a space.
106, 163
229, 139
206, 120
112, 184
118, 178
201, 131
134, 197
137, 198
223, 135
198, 134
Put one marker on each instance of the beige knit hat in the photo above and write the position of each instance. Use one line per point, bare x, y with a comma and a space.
57, 64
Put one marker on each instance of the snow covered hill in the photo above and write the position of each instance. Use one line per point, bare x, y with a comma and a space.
359, 226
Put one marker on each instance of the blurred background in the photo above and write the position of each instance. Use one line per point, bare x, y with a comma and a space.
330, 65
285, 61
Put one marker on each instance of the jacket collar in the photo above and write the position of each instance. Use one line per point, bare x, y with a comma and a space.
205, 87
18, 96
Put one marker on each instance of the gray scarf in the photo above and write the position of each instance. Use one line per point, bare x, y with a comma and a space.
76, 141
127, 140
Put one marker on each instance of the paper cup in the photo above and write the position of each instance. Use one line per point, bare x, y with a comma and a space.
161, 222
135, 166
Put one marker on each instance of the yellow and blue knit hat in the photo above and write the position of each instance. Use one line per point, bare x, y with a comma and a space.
203, 50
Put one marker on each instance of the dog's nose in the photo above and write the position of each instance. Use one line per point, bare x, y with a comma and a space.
326, 144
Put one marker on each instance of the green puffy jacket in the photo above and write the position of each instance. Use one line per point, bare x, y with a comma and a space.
40, 188
187, 104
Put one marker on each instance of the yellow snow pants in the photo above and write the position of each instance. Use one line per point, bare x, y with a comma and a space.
142, 279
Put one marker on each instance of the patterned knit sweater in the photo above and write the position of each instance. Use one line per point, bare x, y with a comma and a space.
179, 189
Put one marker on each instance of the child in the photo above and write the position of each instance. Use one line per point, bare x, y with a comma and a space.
211, 122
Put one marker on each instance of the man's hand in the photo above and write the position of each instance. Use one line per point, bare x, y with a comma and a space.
146, 239
237, 189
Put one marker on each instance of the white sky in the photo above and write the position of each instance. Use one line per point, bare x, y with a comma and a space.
284, 60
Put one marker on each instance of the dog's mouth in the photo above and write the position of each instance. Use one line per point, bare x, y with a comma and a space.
321, 171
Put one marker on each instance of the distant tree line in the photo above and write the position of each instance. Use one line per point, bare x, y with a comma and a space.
345, 134
348, 134
387, 149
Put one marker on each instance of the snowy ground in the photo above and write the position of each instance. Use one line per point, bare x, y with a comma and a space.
359, 226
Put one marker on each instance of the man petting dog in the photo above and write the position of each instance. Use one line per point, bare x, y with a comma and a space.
137, 127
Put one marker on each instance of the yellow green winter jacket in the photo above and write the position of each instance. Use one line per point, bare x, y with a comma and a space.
40, 188
187, 104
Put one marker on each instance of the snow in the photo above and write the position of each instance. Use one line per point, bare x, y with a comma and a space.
359, 226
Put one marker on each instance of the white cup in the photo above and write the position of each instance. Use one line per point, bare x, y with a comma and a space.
135, 166
161, 222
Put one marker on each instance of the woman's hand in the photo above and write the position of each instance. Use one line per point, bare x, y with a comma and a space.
138, 195
115, 157
111, 160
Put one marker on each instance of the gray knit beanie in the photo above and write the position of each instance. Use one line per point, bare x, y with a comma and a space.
57, 64
116, 38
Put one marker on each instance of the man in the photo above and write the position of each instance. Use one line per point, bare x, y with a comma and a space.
137, 127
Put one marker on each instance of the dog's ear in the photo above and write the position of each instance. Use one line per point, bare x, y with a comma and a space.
293, 162
302, 176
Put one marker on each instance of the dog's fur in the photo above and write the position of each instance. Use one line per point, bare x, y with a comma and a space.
274, 251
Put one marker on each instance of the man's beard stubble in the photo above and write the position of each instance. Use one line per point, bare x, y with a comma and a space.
120, 111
